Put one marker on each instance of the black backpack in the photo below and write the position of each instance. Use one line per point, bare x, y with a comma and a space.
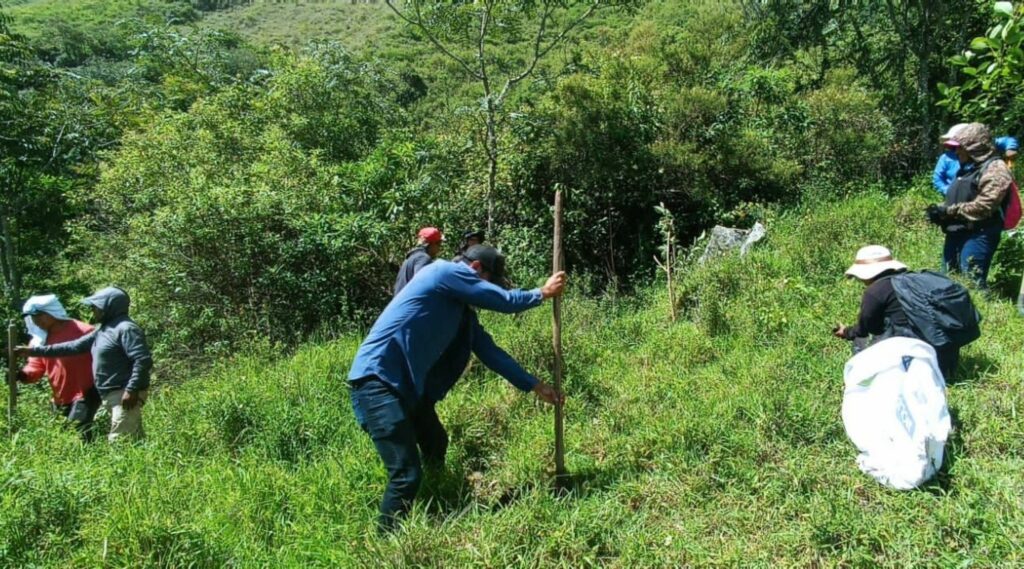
939, 309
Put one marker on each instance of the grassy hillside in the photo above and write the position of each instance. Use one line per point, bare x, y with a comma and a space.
716, 440
357, 25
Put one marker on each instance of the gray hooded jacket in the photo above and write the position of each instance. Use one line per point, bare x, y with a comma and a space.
120, 356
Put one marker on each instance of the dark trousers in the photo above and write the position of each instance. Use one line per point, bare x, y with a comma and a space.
81, 413
400, 433
971, 252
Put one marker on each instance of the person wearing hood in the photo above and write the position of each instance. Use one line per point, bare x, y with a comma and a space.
948, 165
415, 353
469, 238
972, 216
74, 395
428, 245
121, 361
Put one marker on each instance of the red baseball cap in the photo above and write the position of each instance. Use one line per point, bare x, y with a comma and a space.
431, 235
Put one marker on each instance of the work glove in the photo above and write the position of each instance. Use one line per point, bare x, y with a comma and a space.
937, 214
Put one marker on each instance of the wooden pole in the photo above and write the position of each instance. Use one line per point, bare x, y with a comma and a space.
12, 375
1020, 297
558, 264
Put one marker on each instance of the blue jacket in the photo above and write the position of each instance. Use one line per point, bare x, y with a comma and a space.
421, 343
945, 171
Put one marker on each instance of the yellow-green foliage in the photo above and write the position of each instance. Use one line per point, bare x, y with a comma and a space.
716, 440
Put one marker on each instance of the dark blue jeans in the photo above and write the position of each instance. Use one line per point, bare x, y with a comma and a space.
971, 252
397, 429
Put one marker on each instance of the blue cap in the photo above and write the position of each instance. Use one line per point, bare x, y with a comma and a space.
1007, 143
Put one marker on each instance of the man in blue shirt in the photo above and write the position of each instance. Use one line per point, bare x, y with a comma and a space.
416, 351
948, 164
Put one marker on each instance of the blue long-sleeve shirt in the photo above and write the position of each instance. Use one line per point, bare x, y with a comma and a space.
420, 344
945, 171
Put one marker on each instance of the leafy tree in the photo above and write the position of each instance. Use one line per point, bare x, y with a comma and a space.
477, 37
993, 72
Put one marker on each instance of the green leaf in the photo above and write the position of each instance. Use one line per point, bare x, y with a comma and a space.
980, 44
1005, 8
958, 60
972, 71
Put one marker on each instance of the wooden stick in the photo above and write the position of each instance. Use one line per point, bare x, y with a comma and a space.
1020, 297
12, 376
558, 264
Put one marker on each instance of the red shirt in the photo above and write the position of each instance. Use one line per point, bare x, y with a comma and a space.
70, 377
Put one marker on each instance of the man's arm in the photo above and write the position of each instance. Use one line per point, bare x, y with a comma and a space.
467, 287
499, 361
33, 371
133, 342
939, 176
992, 188
73, 348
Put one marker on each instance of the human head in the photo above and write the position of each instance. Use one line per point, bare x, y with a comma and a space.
973, 143
872, 261
951, 133
43, 313
108, 304
1007, 146
471, 238
488, 262
431, 238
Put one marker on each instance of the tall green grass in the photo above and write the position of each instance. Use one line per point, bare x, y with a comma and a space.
713, 441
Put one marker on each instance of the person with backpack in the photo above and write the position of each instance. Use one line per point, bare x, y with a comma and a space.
926, 306
972, 216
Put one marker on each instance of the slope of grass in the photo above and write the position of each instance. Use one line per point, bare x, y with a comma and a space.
716, 440
356, 25
36, 18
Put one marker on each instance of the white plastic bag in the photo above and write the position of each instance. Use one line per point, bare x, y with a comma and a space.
894, 411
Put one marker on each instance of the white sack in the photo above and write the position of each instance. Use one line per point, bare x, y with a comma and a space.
894, 411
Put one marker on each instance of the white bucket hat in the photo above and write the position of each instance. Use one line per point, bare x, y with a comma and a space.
872, 261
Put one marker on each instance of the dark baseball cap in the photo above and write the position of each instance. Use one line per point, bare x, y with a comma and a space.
492, 260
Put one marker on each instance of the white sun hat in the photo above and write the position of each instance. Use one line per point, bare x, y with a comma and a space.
872, 261
952, 132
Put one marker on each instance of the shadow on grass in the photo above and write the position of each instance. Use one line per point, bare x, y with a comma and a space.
972, 368
451, 493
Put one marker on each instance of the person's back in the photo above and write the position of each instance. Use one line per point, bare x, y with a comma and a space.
415, 259
429, 309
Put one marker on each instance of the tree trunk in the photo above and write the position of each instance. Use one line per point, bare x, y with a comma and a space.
9, 262
492, 165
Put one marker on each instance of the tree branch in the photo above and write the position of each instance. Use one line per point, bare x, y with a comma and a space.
418, 22
539, 53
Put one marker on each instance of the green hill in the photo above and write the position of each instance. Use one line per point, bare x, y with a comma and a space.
716, 440
357, 25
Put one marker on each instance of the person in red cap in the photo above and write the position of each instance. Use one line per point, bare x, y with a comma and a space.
428, 245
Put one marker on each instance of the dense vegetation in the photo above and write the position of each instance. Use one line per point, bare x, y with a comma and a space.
246, 186
716, 440
254, 172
